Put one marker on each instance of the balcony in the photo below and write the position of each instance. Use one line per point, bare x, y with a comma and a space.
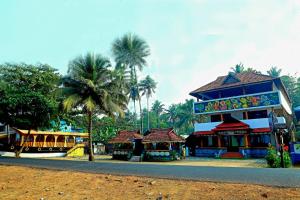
253, 123
245, 102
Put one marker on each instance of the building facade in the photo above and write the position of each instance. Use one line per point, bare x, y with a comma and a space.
234, 115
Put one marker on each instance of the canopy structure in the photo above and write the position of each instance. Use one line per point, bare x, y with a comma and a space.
35, 132
126, 137
231, 126
163, 135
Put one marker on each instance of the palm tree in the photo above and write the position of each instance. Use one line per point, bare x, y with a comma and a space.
250, 69
172, 114
187, 118
239, 68
158, 108
132, 51
91, 86
147, 86
274, 71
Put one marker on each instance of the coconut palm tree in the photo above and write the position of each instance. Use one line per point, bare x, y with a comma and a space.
172, 114
131, 50
91, 86
147, 86
157, 108
239, 68
187, 118
274, 71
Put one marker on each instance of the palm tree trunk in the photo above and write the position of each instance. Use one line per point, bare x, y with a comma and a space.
141, 116
91, 153
17, 153
157, 120
148, 113
135, 121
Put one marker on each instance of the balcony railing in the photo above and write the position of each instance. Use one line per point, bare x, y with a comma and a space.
245, 102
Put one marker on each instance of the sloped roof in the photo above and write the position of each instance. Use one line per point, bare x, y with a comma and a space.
126, 137
225, 126
162, 135
244, 78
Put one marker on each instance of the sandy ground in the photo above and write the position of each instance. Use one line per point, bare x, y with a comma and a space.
189, 161
27, 183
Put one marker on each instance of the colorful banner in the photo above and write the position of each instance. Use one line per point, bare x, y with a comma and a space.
237, 103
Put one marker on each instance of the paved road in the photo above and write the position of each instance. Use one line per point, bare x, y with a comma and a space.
263, 176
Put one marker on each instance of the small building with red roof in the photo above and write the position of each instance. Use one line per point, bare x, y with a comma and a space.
234, 111
126, 144
163, 144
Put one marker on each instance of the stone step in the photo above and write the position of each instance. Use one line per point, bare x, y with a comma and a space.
135, 159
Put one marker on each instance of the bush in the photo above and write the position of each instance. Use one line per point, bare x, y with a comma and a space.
273, 159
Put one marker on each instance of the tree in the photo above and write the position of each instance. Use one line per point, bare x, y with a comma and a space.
187, 117
157, 108
91, 86
274, 71
172, 114
28, 96
292, 84
132, 51
250, 69
239, 68
147, 86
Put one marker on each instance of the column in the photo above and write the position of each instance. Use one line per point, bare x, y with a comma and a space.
201, 143
246, 140
246, 115
45, 140
55, 140
22, 140
34, 140
65, 145
219, 141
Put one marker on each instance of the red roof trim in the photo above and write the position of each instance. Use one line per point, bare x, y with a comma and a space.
199, 133
261, 130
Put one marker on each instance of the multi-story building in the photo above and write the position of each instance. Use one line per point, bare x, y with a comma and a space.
234, 115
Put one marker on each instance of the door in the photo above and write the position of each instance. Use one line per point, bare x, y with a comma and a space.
231, 142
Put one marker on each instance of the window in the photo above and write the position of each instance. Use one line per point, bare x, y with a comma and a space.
215, 118
226, 117
257, 114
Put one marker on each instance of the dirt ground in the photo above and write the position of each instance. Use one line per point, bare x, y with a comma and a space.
28, 183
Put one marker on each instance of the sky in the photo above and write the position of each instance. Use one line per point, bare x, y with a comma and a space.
192, 42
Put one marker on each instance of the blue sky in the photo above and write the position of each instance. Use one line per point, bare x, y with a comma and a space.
192, 42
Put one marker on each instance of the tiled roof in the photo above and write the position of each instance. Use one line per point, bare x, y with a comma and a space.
244, 77
226, 126
126, 137
162, 135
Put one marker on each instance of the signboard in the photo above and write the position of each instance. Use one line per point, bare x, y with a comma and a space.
297, 148
238, 103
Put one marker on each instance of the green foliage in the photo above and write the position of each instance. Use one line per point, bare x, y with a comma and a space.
28, 98
130, 51
292, 84
274, 71
239, 68
273, 159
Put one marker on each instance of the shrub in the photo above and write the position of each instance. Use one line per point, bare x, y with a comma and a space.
273, 159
